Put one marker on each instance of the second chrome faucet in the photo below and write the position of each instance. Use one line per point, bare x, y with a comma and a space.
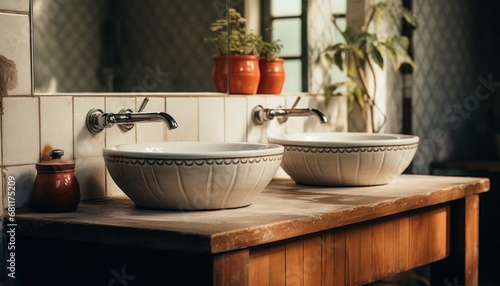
261, 114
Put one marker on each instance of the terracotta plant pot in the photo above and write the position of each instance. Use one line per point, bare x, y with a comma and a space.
219, 73
272, 76
244, 74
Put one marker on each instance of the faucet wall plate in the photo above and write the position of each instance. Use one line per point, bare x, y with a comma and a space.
257, 117
282, 119
92, 120
126, 127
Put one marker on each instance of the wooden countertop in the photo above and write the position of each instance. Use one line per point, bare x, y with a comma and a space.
284, 210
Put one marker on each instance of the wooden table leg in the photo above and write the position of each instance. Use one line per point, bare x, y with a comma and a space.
461, 266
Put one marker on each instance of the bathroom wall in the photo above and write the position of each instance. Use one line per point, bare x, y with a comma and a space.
15, 80
32, 124
455, 46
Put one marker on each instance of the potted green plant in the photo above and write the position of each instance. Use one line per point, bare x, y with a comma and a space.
272, 73
361, 49
234, 43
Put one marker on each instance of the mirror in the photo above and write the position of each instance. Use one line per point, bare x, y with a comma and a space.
123, 45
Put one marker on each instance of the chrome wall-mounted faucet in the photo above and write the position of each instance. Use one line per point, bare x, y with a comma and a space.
97, 119
261, 114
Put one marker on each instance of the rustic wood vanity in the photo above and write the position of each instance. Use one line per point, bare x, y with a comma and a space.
291, 235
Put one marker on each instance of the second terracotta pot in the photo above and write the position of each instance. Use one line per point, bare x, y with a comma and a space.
272, 76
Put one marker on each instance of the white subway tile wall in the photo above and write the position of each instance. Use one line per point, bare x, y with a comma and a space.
185, 112
211, 119
274, 127
254, 131
56, 125
85, 143
20, 131
151, 132
112, 190
15, 5
295, 124
114, 135
235, 125
91, 175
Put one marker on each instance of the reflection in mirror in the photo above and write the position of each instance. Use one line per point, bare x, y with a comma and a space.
305, 29
123, 45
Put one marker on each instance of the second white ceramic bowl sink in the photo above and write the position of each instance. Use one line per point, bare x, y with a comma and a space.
193, 175
346, 159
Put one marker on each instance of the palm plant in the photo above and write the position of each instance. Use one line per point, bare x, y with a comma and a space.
361, 49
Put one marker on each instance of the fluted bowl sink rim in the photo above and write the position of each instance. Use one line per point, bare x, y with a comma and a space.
345, 158
192, 150
192, 175
343, 139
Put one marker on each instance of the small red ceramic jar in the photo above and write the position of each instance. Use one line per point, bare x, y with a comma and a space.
56, 188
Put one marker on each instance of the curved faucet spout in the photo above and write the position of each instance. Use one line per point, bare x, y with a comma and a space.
322, 117
128, 118
298, 112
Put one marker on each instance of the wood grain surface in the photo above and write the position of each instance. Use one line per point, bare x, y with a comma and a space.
284, 210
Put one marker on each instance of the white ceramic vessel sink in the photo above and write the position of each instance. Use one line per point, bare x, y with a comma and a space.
193, 175
346, 159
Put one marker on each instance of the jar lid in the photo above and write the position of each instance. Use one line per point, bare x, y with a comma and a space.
57, 163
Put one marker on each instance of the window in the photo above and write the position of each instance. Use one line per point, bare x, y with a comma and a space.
288, 21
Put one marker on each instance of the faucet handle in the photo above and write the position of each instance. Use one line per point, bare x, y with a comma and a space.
296, 102
143, 104
128, 127
284, 118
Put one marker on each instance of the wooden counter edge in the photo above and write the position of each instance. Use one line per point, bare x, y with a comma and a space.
223, 242
244, 237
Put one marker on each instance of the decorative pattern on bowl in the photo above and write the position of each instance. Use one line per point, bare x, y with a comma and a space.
346, 159
193, 175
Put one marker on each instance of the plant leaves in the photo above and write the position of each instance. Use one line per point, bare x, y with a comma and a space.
334, 48
396, 47
393, 54
377, 57
331, 90
409, 17
349, 35
359, 96
338, 59
361, 48
329, 59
